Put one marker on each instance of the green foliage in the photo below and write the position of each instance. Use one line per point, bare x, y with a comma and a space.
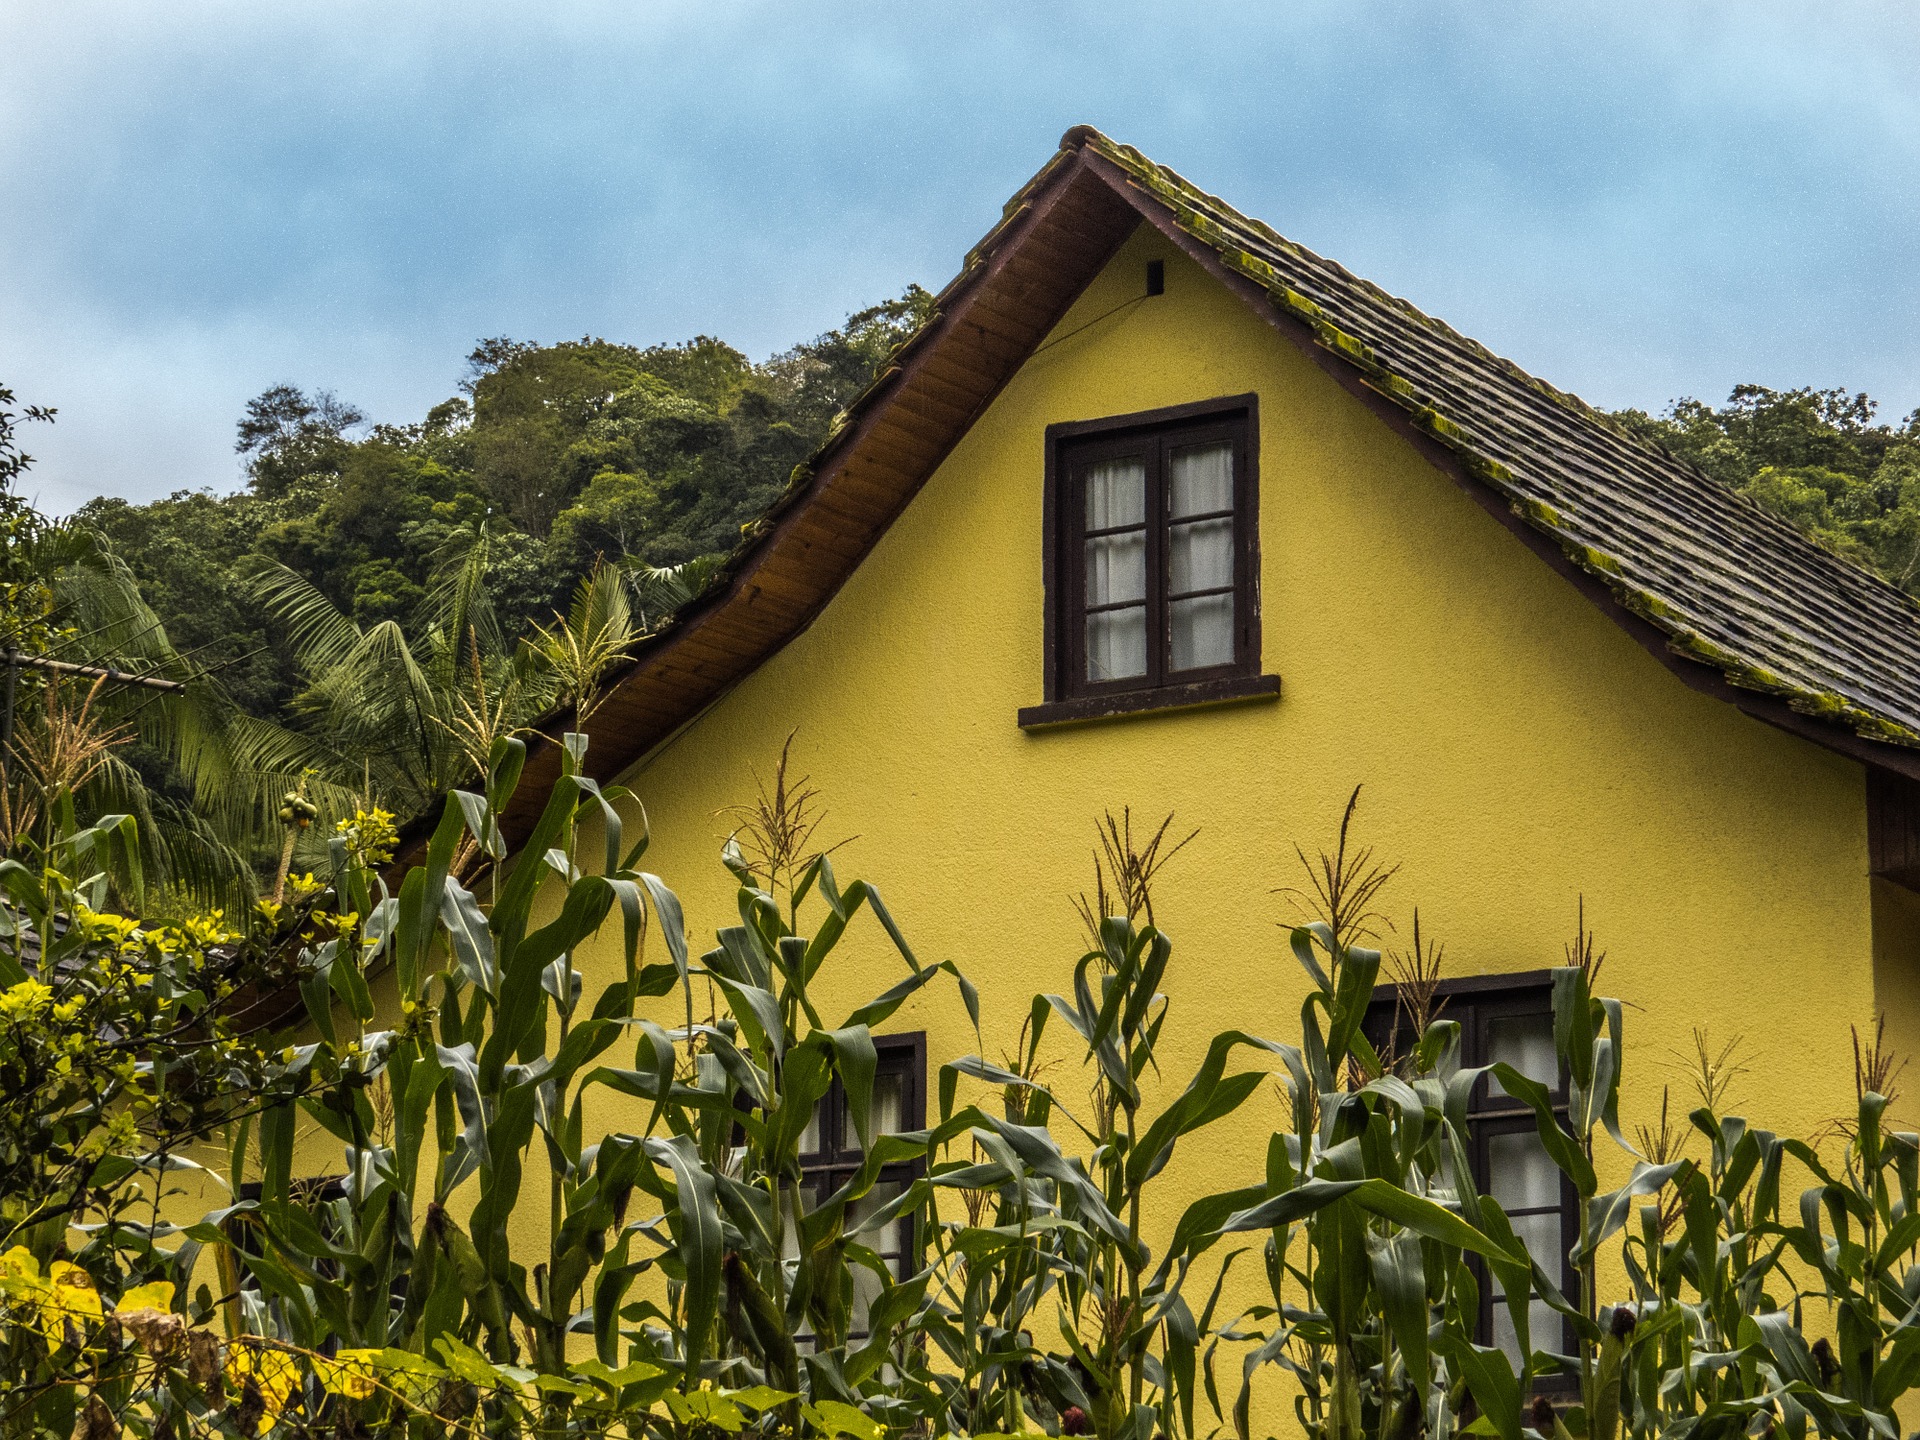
558, 463
687, 1282
1816, 459
121, 1047
383, 603
13, 460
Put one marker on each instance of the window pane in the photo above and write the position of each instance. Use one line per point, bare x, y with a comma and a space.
1543, 1237
1116, 493
888, 1115
1117, 568
890, 1241
1200, 556
1526, 1043
1117, 644
1520, 1174
891, 1238
1201, 480
1543, 1324
1202, 631
810, 1137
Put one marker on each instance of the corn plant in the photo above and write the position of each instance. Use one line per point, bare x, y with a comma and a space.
691, 1278
1369, 1212
1136, 1349
761, 1286
465, 1084
772, 1284
1131, 1335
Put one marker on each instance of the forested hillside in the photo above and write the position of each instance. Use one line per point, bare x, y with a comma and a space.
591, 448
566, 452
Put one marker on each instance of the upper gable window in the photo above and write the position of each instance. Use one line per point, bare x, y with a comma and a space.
1152, 560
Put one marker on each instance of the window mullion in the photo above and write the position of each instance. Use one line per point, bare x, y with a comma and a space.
1073, 559
1246, 556
1157, 579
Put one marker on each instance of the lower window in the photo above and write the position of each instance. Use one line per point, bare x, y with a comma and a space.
830, 1154
1506, 1018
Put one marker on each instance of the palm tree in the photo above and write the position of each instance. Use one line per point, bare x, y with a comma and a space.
609, 616
196, 772
403, 718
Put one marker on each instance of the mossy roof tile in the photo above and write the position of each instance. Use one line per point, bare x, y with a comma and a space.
1731, 584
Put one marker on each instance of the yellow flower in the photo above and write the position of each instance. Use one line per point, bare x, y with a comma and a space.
274, 1373
371, 835
203, 931
114, 929
350, 1373
25, 1001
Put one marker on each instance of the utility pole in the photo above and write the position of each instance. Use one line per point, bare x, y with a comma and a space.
19, 659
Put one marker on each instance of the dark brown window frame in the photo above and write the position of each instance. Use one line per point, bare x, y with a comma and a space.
841, 1154
1484, 997
1069, 697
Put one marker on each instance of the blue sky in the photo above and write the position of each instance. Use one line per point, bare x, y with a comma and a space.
198, 200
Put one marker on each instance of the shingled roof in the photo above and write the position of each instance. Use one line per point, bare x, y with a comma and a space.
1730, 584
1735, 601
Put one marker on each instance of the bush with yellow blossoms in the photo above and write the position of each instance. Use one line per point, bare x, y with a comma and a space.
122, 1048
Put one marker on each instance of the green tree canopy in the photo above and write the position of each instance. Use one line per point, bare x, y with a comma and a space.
381, 598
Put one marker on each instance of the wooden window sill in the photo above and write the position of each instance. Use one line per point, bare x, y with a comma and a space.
1236, 690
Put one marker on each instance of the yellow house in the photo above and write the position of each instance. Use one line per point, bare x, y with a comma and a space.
1163, 511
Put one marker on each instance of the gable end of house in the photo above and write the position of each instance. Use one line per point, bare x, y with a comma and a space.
1731, 600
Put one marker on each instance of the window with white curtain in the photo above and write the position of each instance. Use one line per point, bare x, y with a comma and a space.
1153, 551
1505, 1018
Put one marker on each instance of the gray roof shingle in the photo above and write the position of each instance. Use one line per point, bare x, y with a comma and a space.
1728, 583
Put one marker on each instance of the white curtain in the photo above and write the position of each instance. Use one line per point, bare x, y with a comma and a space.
1117, 569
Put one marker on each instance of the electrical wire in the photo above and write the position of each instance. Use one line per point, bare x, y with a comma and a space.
1062, 339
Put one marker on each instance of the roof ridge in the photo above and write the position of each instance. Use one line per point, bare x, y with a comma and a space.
1134, 160
1868, 595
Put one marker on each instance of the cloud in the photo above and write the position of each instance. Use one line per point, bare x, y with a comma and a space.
1636, 200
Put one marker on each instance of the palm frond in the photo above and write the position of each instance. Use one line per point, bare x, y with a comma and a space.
459, 606
321, 634
597, 633
180, 849
658, 591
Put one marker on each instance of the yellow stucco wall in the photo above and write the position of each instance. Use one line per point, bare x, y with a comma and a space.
1518, 752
